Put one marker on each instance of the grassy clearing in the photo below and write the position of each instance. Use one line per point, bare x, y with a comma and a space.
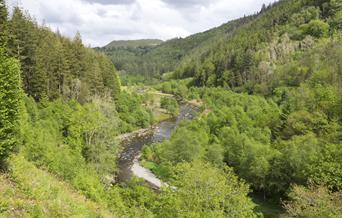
27, 191
153, 98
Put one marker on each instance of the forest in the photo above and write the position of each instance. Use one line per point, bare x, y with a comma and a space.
265, 140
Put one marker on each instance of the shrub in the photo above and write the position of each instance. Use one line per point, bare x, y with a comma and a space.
316, 28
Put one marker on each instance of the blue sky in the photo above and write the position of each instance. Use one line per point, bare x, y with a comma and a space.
101, 21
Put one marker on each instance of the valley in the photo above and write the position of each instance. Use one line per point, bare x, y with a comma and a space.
241, 120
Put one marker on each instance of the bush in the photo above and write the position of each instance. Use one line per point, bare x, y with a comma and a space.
205, 191
316, 28
313, 202
132, 113
74, 141
336, 21
170, 104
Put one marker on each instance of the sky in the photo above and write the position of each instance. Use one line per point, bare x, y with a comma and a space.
102, 21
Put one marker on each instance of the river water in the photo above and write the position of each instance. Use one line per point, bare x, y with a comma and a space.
133, 144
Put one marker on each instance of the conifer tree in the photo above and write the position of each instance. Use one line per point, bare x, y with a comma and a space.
39, 85
78, 56
10, 92
23, 44
3, 24
10, 97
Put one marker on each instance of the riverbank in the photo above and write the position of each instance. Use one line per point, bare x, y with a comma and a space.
133, 143
139, 133
138, 170
146, 174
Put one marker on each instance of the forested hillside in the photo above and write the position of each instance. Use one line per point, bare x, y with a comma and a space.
61, 110
126, 55
57, 67
272, 98
133, 43
265, 139
272, 107
153, 61
249, 59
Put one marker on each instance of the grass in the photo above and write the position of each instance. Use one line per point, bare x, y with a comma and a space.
153, 102
26, 191
154, 105
149, 165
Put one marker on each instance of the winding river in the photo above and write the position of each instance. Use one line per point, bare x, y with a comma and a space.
133, 143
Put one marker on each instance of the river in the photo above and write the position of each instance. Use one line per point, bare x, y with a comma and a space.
128, 162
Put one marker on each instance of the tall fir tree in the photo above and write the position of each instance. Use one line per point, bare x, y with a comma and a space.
23, 44
39, 85
3, 24
110, 78
10, 92
10, 102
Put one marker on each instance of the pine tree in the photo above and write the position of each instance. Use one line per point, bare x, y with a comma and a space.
39, 83
78, 61
3, 24
94, 78
110, 77
23, 43
263, 8
10, 97
10, 92
63, 68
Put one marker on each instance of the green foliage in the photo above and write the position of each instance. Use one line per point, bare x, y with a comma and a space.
204, 191
178, 88
132, 113
316, 28
73, 141
314, 202
289, 53
294, 163
3, 25
57, 67
10, 104
215, 154
170, 104
134, 43
132, 80
306, 15
303, 122
141, 57
31, 192
140, 197
336, 21
328, 169
187, 143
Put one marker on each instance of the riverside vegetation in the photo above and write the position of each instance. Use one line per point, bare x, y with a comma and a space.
266, 142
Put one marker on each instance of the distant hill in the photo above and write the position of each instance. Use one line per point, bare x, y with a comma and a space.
139, 57
233, 53
134, 43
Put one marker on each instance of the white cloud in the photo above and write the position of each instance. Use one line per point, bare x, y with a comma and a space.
101, 21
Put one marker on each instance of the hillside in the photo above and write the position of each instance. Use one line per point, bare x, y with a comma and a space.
261, 99
61, 110
237, 47
272, 94
42, 195
154, 61
134, 43
248, 58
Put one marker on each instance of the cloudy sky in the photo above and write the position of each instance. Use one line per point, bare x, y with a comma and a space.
101, 21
